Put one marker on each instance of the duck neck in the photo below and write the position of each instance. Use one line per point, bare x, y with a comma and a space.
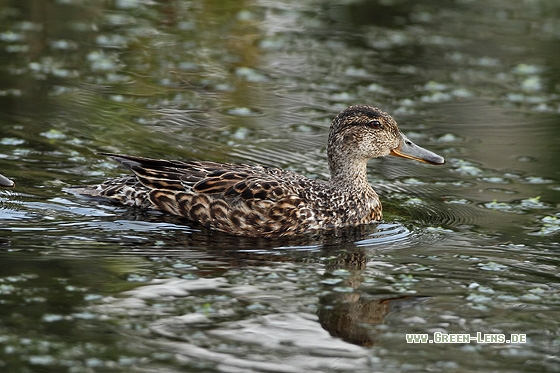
350, 176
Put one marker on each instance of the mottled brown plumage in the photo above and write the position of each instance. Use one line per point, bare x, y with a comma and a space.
258, 201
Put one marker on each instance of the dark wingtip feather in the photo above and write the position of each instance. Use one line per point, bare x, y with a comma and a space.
125, 160
133, 162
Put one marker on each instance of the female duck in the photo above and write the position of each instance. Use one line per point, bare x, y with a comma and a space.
258, 201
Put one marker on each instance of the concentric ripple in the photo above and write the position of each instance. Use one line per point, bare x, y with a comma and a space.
417, 204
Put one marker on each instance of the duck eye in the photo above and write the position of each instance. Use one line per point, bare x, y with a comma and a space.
374, 124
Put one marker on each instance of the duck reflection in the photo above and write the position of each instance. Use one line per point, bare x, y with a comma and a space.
345, 309
352, 315
349, 314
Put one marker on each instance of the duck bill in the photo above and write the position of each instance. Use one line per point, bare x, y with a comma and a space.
408, 149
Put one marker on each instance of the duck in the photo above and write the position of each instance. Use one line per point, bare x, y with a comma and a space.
260, 201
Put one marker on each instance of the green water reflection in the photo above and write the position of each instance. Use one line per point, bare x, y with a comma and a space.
471, 247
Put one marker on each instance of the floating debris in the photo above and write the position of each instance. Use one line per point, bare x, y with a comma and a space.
5, 182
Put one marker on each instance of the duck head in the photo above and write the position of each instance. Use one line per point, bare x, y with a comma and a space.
360, 133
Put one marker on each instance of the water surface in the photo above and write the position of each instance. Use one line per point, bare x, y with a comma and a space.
468, 247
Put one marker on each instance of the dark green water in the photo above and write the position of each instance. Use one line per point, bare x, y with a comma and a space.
470, 247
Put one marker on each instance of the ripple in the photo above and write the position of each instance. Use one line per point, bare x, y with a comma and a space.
242, 111
385, 234
417, 204
213, 315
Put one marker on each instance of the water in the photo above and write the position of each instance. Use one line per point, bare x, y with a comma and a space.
465, 248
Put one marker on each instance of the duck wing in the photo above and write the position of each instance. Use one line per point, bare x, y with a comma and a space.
235, 198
